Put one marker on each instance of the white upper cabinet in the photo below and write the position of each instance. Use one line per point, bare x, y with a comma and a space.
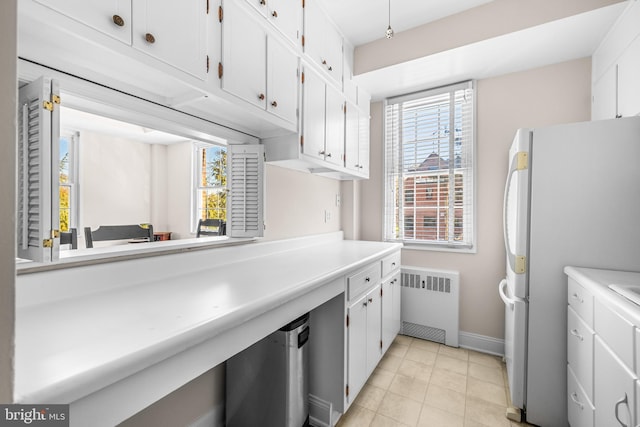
334, 126
322, 41
284, 15
313, 115
256, 67
282, 81
173, 32
112, 17
356, 140
244, 56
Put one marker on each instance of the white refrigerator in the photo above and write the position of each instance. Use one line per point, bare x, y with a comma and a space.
572, 197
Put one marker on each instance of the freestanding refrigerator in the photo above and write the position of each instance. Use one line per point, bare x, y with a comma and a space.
572, 197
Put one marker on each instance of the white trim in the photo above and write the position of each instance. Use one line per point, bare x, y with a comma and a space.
481, 343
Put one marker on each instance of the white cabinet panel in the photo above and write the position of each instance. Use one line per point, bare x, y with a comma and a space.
629, 81
286, 16
313, 110
390, 310
112, 17
243, 56
580, 351
357, 346
581, 300
322, 42
614, 388
334, 116
616, 331
282, 81
374, 324
172, 32
580, 410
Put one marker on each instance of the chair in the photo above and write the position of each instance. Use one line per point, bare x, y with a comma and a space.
211, 227
69, 238
117, 232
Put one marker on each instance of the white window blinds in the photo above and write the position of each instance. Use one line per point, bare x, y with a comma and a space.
429, 167
245, 184
38, 171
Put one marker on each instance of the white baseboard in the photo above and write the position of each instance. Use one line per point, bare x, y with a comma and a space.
481, 343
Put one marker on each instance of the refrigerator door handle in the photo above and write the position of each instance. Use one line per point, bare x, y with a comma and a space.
509, 302
510, 258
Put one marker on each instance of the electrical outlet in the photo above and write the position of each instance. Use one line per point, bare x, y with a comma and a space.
327, 215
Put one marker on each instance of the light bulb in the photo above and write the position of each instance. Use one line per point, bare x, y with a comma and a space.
389, 32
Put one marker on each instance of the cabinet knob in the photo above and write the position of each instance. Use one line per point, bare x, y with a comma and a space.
149, 38
117, 19
263, 2
274, 104
328, 154
364, 304
274, 14
321, 153
576, 334
367, 279
261, 97
370, 300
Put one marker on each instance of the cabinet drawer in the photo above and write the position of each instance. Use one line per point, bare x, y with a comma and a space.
390, 264
615, 331
580, 410
581, 301
580, 351
359, 282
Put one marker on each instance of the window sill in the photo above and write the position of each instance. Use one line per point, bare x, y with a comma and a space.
83, 257
438, 248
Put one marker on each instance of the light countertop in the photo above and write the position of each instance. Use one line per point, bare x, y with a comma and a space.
81, 329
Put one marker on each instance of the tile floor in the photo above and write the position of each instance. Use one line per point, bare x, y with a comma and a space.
421, 383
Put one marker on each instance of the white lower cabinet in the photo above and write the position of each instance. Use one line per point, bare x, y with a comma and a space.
390, 309
368, 318
614, 388
602, 350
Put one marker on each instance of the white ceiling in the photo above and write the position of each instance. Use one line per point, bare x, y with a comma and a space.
362, 21
554, 42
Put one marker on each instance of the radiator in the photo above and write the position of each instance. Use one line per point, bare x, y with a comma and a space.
430, 304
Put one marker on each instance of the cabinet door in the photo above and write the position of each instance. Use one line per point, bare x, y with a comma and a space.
628, 81
282, 81
352, 138
390, 310
334, 138
363, 144
604, 96
112, 17
374, 323
313, 115
173, 32
357, 346
315, 22
286, 16
243, 56
614, 387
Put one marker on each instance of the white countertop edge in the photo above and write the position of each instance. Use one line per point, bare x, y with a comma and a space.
78, 386
598, 281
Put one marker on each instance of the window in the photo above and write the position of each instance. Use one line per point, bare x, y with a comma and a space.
210, 182
429, 168
68, 179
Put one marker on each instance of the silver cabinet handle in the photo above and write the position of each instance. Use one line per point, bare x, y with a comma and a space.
624, 401
574, 397
577, 297
576, 334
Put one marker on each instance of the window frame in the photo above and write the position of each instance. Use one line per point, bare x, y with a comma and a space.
196, 187
389, 191
73, 138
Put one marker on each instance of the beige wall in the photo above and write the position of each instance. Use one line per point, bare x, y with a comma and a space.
295, 203
8, 94
549, 95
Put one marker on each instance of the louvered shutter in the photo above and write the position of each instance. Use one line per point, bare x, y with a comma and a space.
245, 184
38, 174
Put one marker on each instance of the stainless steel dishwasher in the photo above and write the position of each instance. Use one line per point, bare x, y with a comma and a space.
268, 383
